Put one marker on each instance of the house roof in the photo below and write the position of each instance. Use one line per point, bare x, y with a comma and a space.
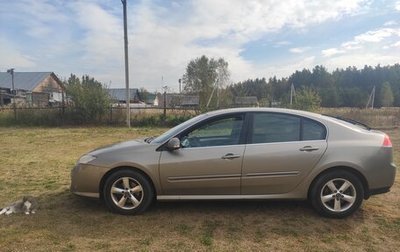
119, 94
23, 80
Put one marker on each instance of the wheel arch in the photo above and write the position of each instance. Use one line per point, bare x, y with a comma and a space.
355, 172
108, 174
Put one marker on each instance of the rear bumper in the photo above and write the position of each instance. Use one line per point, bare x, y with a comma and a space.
377, 191
386, 180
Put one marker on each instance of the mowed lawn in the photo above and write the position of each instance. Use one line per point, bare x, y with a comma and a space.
37, 161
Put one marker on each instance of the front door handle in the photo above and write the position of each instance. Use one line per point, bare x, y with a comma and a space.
308, 148
230, 156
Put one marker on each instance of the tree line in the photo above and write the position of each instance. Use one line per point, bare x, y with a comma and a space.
210, 79
350, 87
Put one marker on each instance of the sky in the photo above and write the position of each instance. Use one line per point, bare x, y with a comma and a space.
257, 38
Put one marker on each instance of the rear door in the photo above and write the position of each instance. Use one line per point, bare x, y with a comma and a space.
282, 149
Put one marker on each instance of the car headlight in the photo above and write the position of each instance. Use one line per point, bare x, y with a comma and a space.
86, 159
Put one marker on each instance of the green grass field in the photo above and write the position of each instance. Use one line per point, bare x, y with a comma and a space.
37, 161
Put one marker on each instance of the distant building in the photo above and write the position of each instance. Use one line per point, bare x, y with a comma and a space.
177, 100
38, 89
246, 101
118, 95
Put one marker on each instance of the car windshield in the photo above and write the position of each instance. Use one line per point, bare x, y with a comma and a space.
351, 121
175, 130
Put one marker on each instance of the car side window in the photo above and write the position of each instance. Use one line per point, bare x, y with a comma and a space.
313, 130
222, 131
275, 127
271, 128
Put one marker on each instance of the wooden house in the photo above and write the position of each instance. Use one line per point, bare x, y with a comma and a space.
37, 89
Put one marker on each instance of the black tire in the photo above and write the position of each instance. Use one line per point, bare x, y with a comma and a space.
115, 191
337, 204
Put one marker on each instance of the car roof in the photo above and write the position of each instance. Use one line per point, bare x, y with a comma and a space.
275, 110
319, 117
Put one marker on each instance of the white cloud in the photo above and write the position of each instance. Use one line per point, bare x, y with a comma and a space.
359, 60
284, 69
397, 6
102, 39
163, 47
88, 37
369, 48
299, 49
397, 44
13, 58
282, 43
390, 23
39, 18
376, 35
331, 52
369, 38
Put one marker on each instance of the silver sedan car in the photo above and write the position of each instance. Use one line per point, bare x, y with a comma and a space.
243, 153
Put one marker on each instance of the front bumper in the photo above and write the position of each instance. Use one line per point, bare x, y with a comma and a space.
85, 180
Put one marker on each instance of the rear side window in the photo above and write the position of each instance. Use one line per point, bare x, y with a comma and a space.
313, 130
275, 127
271, 128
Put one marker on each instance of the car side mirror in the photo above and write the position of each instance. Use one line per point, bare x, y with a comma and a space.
174, 144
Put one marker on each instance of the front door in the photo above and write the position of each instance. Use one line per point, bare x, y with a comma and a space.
209, 160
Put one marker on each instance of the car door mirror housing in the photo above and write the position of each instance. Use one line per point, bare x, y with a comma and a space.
174, 144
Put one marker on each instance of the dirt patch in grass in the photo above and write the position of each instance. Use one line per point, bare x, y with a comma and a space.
38, 161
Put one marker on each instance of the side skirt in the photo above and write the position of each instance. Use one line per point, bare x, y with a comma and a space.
228, 197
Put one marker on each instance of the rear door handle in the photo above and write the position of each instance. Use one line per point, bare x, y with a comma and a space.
230, 156
308, 148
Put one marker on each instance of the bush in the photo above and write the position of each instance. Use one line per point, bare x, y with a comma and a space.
307, 99
89, 98
158, 120
31, 117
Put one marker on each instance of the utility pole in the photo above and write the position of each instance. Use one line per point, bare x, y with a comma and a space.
165, 101
292, 93
11, 71
128, 99
371, 98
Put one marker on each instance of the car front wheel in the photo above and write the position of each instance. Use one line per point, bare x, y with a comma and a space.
127, 192
337, 194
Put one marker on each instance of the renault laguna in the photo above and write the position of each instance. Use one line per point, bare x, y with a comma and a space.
243, 153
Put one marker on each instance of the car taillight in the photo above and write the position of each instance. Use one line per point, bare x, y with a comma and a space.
387, 142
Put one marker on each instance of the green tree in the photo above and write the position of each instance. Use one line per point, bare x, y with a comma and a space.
143, 94
203, 75
257, 87
387, 97
89, 97
307, 99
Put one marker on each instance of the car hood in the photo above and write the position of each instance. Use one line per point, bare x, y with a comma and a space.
133, 144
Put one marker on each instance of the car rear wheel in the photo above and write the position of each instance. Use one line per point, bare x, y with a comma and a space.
127, 192
337, 194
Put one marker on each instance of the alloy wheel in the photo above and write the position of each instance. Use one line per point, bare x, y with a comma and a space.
127, 193
338, 195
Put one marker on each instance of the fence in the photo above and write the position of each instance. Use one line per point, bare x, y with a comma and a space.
153, 116
58, 116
